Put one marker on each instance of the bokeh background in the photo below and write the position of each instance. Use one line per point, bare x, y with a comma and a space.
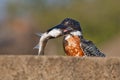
21, 19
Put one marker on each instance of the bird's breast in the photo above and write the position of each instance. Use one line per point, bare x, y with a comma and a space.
72, 46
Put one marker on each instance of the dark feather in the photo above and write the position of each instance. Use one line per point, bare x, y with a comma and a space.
90, 49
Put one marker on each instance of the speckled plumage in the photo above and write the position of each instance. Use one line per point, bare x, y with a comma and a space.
90, 49
72, 46
75, 44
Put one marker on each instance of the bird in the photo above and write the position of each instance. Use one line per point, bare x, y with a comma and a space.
51, 33
75, 44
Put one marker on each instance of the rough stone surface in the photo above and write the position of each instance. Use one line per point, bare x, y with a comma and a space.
58, 68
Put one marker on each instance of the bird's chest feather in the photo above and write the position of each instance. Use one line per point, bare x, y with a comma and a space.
72, 46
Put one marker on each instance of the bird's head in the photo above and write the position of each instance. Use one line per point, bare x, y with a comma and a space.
71, 24
67, 26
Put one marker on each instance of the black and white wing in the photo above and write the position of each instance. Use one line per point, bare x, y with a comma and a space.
90, 49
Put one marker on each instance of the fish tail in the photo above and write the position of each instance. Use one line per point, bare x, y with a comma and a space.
39, 34
36, 47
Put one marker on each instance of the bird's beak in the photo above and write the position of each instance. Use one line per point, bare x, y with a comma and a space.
64, 29
67, 30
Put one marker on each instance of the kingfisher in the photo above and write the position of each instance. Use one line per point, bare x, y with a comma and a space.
75, 44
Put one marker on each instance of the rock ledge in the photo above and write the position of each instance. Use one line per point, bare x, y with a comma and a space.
27, 67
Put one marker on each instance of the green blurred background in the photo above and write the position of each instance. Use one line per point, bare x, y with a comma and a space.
20, 19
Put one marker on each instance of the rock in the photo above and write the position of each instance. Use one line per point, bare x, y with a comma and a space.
59, 68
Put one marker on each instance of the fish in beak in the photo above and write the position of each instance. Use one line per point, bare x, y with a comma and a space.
65, 27
52, 33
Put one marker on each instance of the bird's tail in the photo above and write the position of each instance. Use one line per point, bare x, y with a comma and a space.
101, 54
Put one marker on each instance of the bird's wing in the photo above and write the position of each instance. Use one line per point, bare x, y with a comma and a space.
90, 49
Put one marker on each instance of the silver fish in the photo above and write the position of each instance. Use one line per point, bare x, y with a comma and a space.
52, 33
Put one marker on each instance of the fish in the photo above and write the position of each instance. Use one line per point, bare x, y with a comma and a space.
51, 33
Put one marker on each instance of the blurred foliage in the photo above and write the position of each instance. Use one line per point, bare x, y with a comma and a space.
99, 19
